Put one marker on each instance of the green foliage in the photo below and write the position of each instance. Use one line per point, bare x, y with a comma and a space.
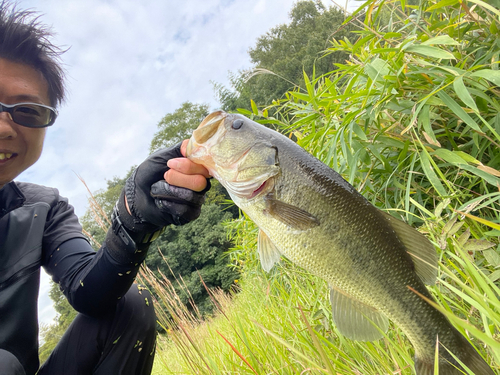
193, 252
412, 118
177, 126
284, 53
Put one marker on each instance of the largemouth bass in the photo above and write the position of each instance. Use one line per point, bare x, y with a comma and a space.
375, 265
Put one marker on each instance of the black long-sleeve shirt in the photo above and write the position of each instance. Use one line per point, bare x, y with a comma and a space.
38, 228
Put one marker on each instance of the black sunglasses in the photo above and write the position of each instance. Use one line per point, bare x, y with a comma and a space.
32, 115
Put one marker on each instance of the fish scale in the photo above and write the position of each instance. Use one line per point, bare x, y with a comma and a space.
307, 212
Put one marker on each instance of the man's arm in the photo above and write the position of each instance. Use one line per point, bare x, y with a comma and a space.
93, 282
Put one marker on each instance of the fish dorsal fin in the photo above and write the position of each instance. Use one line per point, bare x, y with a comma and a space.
355, 319
290, 215
269, 254
421, 250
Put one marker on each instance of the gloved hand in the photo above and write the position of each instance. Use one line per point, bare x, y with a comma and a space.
153, 203
180, 204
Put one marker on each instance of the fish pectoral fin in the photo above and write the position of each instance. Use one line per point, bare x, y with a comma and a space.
356, 320
269, 254
421, 250
290, 215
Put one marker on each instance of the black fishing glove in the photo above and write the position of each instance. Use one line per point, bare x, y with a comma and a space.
153, 203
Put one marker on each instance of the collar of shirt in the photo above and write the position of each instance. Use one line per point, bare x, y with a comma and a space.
10, 198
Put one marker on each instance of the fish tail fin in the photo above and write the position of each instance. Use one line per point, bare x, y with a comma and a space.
449, 366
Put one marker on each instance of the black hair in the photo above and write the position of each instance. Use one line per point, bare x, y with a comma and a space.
24, 39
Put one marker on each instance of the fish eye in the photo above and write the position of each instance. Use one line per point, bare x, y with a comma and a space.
237, 124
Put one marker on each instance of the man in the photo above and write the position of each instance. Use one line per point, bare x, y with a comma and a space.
115, 330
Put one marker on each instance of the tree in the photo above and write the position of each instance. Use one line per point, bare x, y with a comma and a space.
283, 54
95, 221
177, 126
194, 250
52, 333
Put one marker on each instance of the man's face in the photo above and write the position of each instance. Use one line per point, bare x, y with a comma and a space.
20, 147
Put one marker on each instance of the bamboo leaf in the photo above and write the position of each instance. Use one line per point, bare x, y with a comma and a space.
449, 156
362, 42
463, 93
415, 115
424, 119
358, 10
491, 75
494, 276
467, 157
369, 12
430, 51
442, 39
300, 95
441, 4
392, 35
254, 107
487, 6
359, 132
489, 170
381, 66
457, 110
309, 86
244, 111
488, 177
431, 140
431, 175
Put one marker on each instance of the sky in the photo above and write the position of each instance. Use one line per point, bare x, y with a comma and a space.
128, 64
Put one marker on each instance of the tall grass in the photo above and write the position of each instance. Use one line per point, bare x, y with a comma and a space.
274, 326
